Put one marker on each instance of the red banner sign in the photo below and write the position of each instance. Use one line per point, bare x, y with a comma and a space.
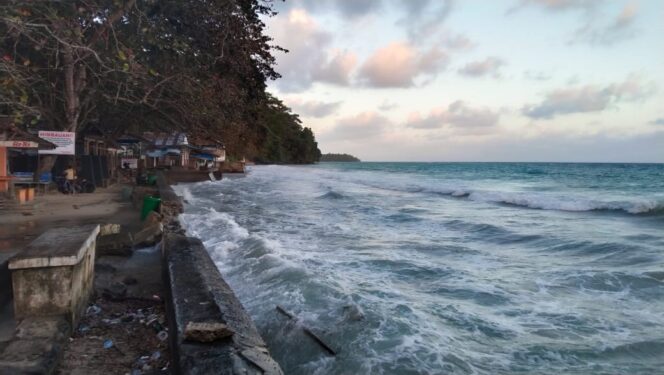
18, 144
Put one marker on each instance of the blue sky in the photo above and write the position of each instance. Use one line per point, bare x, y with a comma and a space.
476, 80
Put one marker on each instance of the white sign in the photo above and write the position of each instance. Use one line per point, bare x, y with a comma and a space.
132, 163
19, 144
65, 142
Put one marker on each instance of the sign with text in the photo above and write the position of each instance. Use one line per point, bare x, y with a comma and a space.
19, 144
66, 142
131, 163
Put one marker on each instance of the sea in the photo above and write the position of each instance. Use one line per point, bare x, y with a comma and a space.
444, 268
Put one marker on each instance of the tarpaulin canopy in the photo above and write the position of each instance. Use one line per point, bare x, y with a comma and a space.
156, 153
203, 156
163, 152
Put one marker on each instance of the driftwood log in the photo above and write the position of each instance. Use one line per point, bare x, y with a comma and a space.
308, 332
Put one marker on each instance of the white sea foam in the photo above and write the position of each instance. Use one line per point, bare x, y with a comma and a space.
490, 307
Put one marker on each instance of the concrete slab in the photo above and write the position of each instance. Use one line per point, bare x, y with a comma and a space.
55, 273
7, 321
36, 346
120, 243
199, 297
56, 247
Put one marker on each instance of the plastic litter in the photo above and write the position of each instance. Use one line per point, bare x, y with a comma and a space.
108, 344
163, 335
93, 310
83, 328
155, 356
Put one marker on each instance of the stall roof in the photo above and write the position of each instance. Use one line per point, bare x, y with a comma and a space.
10, 132
173, 139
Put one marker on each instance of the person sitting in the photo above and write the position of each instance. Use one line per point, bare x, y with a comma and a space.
70, 179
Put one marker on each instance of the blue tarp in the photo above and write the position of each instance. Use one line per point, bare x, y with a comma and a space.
203, 156
44, 177
156, 153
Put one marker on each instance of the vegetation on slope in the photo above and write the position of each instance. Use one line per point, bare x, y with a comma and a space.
338, 157
199, 66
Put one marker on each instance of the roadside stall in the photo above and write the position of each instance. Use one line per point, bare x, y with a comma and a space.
19, 161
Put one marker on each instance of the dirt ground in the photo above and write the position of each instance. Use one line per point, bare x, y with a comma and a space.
124, 328
119, 337
21, 224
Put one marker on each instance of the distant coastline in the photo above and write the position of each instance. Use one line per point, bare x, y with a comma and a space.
329, 157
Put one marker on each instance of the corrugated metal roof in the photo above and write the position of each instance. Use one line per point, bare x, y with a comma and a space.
166, 139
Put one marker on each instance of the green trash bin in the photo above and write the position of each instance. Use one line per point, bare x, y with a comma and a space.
150, 203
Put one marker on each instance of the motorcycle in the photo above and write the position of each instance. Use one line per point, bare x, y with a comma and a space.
80, 185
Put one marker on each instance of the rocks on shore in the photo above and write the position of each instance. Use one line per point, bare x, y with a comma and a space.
206, 331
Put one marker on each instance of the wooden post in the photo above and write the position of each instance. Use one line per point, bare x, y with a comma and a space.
4, 182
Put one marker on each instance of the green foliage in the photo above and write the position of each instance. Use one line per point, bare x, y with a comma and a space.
338, 157
199, 66
285, 140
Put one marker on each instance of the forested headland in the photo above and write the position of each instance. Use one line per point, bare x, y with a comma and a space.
338, 157
199, 66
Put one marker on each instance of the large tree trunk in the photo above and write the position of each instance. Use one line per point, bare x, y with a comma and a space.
46, 163
72, 108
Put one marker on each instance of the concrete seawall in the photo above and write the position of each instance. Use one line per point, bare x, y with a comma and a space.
210, 330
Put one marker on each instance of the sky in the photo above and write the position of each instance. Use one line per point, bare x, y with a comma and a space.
476, 80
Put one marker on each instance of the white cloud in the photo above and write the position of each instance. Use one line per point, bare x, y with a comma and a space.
621, 28
309, 58
313, 108
590, 98
457, 114
398, 65
337, 70
488, 66
359, 127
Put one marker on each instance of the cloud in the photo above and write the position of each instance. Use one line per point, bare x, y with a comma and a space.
309, 58
457, 114
361, 126
387, 106
621, 28
659, 121
424, 18
537, 75
590, 98
457, 42
490, 65
594, 31
313, 108
399, 64
337, 70
347, 8
557, 5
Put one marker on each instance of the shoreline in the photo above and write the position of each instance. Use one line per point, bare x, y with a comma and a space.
155, 275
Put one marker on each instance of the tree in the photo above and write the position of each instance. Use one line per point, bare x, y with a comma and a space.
194, 65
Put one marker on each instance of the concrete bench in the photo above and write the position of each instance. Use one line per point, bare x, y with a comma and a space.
54, 275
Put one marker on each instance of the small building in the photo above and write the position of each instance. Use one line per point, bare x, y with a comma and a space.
207, 154
19, 159
167, 149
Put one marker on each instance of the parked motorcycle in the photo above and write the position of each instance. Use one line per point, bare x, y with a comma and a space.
80, 185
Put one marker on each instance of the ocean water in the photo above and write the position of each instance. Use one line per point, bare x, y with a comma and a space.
445, 268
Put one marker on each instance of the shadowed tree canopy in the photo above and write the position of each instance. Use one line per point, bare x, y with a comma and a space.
134, 65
